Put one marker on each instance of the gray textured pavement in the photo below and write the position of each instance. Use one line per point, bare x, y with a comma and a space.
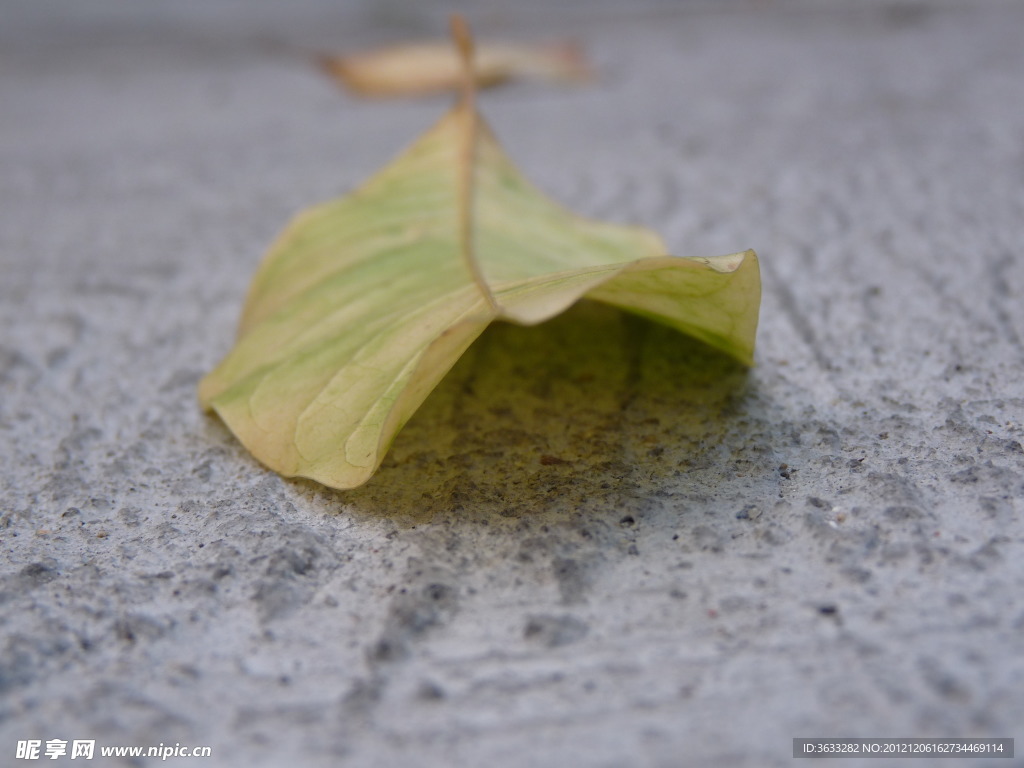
597, 544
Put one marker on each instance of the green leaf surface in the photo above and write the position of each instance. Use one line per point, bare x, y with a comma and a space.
365, 302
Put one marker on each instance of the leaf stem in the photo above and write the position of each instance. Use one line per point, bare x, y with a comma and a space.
463, 40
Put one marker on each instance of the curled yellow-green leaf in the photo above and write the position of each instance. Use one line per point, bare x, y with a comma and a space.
364, 303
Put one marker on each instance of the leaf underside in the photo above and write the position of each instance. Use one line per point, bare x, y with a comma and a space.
364, 303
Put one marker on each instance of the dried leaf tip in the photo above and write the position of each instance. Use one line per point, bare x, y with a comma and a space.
420, 67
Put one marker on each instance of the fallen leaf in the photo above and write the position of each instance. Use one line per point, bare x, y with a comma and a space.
365, 302
419, 68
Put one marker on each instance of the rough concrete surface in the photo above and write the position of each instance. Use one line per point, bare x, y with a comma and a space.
597, 544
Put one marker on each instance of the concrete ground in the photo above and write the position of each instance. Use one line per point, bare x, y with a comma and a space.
597, 544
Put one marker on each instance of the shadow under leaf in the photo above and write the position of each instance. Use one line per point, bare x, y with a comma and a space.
587, 409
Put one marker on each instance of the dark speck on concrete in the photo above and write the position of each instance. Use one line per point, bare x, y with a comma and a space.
554, 631
37, 574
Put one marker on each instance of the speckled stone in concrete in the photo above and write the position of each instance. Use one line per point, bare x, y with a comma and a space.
598, 544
